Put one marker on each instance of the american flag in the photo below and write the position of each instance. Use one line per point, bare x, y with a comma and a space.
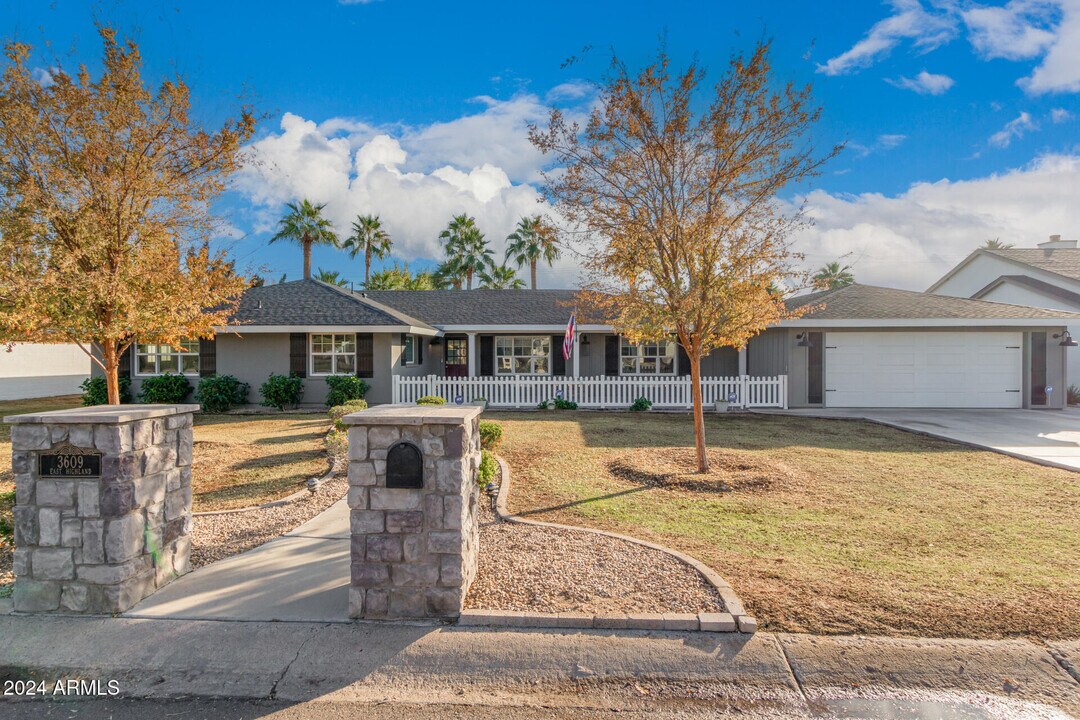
568, 339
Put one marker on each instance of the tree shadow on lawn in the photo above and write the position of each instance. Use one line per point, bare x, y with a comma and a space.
747, 431
582, 501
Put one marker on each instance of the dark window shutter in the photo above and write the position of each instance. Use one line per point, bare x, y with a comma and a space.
207, 357
558, 362
487, 355
611, 355
418, 343
123, 363
298, 354
365, 355
684, 361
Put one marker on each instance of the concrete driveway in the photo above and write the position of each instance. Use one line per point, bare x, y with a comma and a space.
1047, 437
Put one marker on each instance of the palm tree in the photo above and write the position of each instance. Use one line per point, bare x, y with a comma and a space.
467, 251
532, 241
369, 238
500, 277
399, 277
305, 225
996, 244
331, 277
833, 276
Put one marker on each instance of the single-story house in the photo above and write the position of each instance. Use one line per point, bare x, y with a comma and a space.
1047, 276
858, 346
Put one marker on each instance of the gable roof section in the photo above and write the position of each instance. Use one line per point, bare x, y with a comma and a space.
1064, 262
311, 303
868, 302
480, 307
1038, 286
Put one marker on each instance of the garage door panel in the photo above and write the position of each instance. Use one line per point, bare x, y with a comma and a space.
923, 369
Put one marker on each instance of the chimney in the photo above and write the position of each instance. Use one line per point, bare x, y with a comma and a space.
1056, 243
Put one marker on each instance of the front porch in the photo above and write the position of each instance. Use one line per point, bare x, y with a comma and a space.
600, 392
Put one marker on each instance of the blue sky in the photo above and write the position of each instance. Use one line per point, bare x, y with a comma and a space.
961, 118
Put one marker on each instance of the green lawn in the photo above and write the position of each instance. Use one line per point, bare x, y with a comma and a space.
832, 527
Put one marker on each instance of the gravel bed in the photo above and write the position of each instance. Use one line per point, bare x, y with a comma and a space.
214, 537
538, 569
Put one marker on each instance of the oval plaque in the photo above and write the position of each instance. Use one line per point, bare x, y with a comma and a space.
67, 461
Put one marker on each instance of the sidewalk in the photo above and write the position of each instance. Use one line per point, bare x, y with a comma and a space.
383, 662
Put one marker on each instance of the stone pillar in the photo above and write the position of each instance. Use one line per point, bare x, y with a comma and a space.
102, 505
414, 550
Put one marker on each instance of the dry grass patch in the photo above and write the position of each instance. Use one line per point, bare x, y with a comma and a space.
839, 526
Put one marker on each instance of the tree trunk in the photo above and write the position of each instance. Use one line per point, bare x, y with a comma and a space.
532, 268
111, 359
468, 280
699, 414
367, 267
307, 259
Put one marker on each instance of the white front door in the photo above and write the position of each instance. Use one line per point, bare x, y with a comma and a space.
924, 369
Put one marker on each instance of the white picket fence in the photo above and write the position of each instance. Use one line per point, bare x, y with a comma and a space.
595, 392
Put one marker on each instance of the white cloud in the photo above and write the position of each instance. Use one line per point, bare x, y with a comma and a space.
911, 239
924, 83
1018, 30
43, 76
1059, 70
883, 143
1060, 115
910, 21
415, 178
1013, 130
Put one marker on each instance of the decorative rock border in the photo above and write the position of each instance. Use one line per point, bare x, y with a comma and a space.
734, 620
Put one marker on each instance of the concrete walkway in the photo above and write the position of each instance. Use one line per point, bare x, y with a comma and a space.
300, 576
1047, 437
397, 662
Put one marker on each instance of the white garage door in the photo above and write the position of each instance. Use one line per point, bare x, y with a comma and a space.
923, 369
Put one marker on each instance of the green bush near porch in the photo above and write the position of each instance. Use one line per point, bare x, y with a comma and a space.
343, 388
167, 389
431, 400
95, 391
282, 391
218, 393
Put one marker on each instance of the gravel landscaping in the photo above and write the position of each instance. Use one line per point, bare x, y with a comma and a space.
218, 536
548, 570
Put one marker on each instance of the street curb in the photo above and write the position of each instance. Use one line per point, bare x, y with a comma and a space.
734, 620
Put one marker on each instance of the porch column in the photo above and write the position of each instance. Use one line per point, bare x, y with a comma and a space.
742, 361
576, 354
472, 354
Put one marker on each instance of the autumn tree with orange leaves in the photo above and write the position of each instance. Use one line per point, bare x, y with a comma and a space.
105, 220
676, 202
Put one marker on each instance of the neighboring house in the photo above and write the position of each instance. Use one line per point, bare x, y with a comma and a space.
859, 346
1047, 276
34, 370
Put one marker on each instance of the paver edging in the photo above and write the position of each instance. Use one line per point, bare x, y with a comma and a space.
734, 620
287, 500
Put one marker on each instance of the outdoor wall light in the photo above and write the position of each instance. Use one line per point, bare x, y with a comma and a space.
1066, 339
584, 339
804, 340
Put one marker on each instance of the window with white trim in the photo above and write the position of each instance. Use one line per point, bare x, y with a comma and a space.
648, 358
523, 355
333, 354
155, 359
408, 353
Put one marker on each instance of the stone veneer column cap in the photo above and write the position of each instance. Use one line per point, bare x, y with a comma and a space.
409, 414
102, 414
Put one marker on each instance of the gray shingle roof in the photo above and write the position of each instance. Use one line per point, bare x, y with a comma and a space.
868, 302
1060, 261
481, 307
1037, 285
310, 302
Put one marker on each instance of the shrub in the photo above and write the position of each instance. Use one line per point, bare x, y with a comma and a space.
281, 391
490, 435
1073, 395
167, 389
544, 405
95, 391
7, 517
488, 468
344, 388
339, 411
561, 404
431, 400
642, 403
218, 393
337, 447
